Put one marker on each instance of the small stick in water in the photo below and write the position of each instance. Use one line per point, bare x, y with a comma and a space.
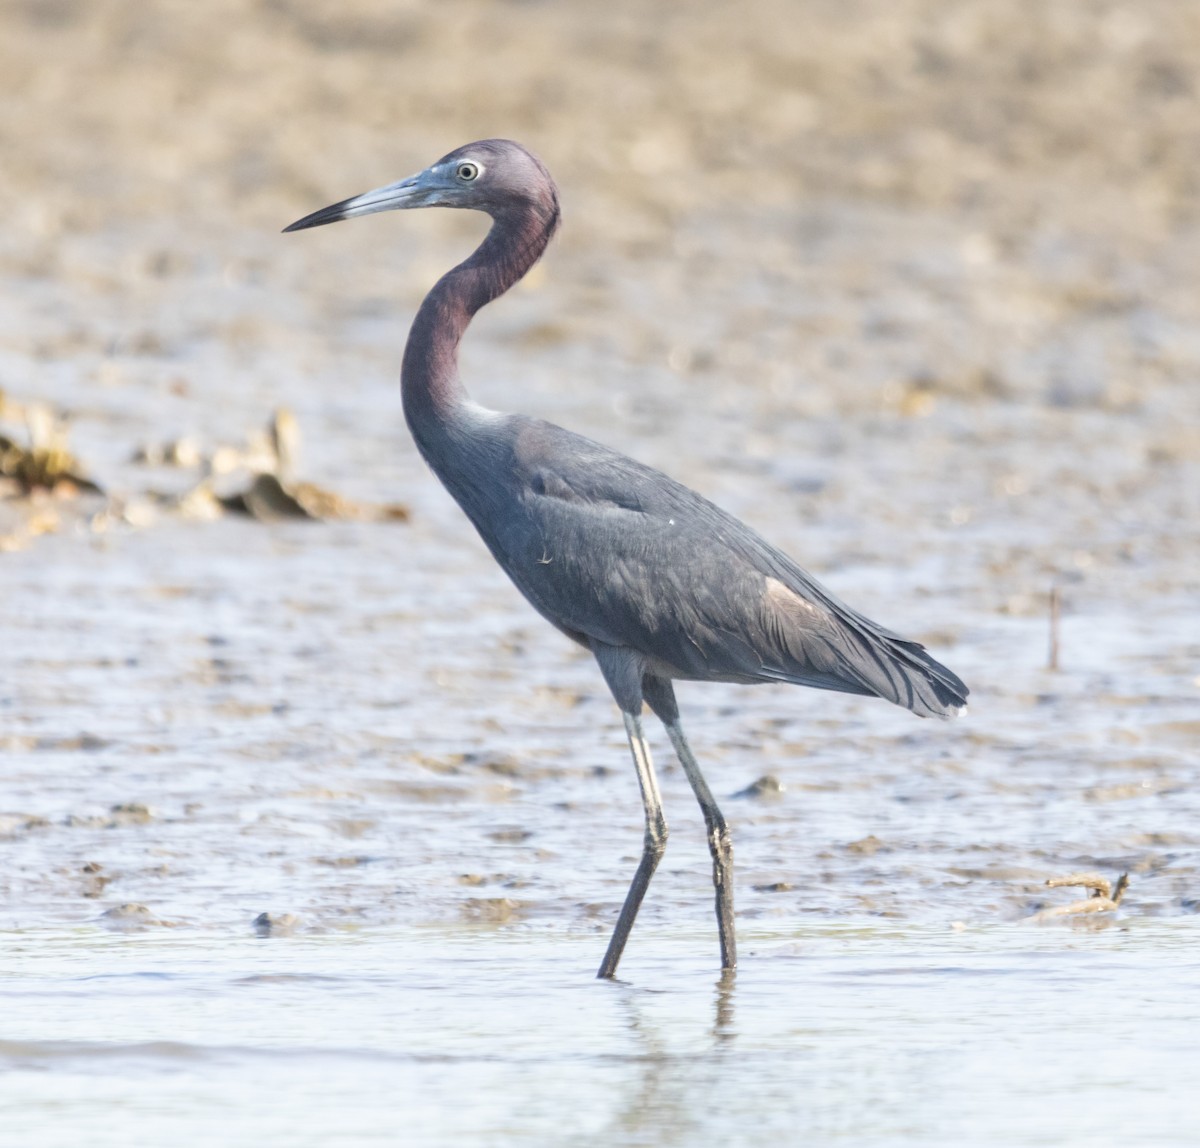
1055, 610
1100, 886
1104, 897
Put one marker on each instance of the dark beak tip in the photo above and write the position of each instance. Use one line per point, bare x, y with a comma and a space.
304, 224
318, 218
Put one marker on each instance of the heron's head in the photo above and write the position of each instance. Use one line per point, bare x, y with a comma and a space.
495, 176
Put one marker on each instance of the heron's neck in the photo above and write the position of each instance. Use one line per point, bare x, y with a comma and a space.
432, 390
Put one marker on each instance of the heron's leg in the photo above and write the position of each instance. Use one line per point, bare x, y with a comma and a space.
660, 697
622, 670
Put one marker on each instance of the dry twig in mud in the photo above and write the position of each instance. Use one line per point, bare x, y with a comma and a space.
1055, 616
1104, 898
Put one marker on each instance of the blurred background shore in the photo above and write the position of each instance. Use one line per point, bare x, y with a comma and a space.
855, 208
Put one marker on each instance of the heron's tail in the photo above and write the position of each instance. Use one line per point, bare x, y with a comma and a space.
904, 673
824, 643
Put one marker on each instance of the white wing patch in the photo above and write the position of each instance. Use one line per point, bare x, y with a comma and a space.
790, 602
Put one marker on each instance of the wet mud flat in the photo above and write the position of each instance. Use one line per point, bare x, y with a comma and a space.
360, 730
943, 404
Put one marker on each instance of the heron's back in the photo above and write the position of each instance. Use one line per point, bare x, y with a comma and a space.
611, 550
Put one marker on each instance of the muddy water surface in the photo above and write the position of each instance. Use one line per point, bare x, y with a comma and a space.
362, 731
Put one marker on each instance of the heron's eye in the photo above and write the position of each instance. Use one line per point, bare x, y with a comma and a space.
467, 171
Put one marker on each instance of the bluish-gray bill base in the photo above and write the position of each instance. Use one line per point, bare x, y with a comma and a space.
660, 584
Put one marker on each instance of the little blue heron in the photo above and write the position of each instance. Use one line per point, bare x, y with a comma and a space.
657, 582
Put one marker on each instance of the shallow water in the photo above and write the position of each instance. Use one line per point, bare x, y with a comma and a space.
869, 1035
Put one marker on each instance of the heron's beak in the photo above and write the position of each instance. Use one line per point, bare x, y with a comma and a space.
416, 191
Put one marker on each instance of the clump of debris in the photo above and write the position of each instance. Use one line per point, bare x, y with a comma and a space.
42, 482
256, 479
1103, 897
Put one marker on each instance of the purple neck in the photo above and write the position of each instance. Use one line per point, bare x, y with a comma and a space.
432, 391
